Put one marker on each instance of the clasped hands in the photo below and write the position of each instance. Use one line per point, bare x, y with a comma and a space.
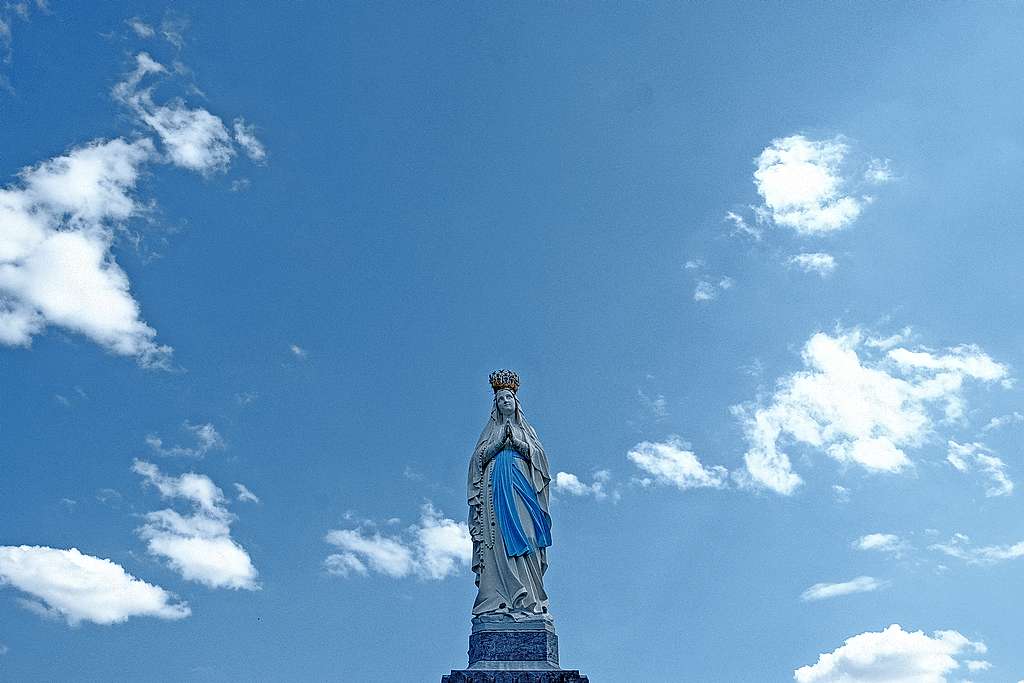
513, 442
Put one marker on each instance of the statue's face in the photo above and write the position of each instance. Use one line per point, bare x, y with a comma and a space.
506, 403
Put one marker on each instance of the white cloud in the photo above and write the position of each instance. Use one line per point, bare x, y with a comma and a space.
841, 493
141, 28
817, 262
206, 436
977, 665
1003, 420
960, 547
569, 483
704, 291
194, 138
657, 406
298, 351
802, 186
671, 462
891, 656
245, 136
198, 546
245, 495
78, 587
964, 456
879, 171
742, 227
883, 543
858, 408
55, 262
823, 591
434, 548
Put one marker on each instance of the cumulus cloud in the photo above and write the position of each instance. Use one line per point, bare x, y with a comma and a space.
55, 263
569, 483
967, 456
802, 185
817, 262
891, 655
671, 462
434, 548
78, 587
198, 546
883, 543
856, 407
298, 351
823, 591
206, 438
960, 547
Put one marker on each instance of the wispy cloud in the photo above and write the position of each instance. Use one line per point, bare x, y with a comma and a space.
882, 543
140, 28
967, 456
857, 407
1003, 421
960, 547
824, 591
434, 548
816, 262
192, 137
245, 495
206, 438
298, 351
740, 227
77, 587
245, 136
198, 546
892, 655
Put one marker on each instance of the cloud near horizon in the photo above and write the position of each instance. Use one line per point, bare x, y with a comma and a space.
434, 548
76, 587
893, 656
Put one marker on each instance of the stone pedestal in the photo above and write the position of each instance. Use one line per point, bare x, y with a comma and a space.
503, 649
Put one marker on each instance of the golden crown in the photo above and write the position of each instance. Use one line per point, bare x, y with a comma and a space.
504, 379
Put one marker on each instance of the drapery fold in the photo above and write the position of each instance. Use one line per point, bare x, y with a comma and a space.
508, 482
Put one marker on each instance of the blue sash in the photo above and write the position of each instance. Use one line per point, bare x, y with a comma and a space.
507, 481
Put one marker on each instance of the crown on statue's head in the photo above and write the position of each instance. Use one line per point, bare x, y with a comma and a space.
504, 379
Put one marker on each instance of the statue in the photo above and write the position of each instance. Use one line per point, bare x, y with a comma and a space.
511, 529
508, 502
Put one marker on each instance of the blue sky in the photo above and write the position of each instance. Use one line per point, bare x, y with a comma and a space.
755, 266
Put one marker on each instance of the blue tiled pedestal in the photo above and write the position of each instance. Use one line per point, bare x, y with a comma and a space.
506, 650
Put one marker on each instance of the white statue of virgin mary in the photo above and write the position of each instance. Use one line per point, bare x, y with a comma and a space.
508, 504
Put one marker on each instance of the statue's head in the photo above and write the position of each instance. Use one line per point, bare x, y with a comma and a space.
506, 402
505, 384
